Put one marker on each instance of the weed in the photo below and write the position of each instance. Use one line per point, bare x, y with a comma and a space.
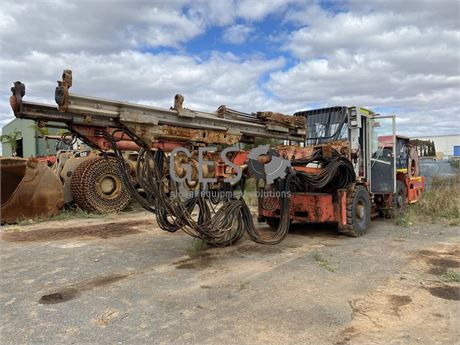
250, 198
196, 246
12, 229
455, 222
405, 220
63, 215
250, 184
76, 213
450, 277
323, 262
455, 163
441, 202
450, 181
244, 285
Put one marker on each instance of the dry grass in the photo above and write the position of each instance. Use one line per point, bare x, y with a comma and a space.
250, 192
65, 214
450, 277
324, 262
250, 198
442, 202
196, 246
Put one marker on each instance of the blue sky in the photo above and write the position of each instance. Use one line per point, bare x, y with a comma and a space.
284, 55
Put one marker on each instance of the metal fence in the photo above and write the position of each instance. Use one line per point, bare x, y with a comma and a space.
436, 169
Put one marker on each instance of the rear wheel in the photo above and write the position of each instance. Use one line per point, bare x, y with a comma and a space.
399, 202
358, 212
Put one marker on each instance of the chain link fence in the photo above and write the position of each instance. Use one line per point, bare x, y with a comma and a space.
436, 172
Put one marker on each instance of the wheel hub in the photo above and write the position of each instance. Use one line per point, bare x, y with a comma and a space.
108, 185
360, 211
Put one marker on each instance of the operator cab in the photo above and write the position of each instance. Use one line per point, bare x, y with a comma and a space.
362, 129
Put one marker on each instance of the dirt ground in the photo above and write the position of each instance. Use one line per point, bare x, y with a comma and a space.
121, 280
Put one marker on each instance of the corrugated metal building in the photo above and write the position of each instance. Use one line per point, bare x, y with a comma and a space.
449, 144
28, 145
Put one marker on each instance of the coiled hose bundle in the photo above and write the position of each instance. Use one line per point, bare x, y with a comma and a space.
217, 221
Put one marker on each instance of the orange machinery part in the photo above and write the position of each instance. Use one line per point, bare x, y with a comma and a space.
313, 207
415, 187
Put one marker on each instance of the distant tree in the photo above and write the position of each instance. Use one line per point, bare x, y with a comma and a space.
423, 147
12, 140
433, 148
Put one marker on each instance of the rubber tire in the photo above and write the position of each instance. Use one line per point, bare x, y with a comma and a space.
84, 190
355, 226
398, 209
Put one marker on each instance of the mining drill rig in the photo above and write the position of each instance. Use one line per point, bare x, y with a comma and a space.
335, 164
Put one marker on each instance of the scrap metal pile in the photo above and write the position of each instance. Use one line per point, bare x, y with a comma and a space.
172, 142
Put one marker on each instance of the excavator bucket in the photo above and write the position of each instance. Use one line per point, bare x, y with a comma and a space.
29, 189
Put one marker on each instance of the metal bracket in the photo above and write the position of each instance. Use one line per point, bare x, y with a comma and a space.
61, 94
18, 91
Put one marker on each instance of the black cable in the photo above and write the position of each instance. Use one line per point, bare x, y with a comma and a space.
223, 220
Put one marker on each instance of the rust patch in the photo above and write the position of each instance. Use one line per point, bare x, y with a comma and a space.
293, 152
107, 230
199, 135
62, 91
281, 119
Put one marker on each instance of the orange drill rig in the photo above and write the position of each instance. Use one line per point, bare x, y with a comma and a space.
379, 181
336, 165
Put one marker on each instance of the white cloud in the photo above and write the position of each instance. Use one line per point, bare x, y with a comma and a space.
101, 40
257, 9
237, 34
110, 26
97, 27
389, 55
146, 78
400, 56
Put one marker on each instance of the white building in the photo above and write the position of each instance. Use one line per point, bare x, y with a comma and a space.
449, 144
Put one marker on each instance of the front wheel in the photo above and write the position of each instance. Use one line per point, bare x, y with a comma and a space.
358, 212
97, 186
